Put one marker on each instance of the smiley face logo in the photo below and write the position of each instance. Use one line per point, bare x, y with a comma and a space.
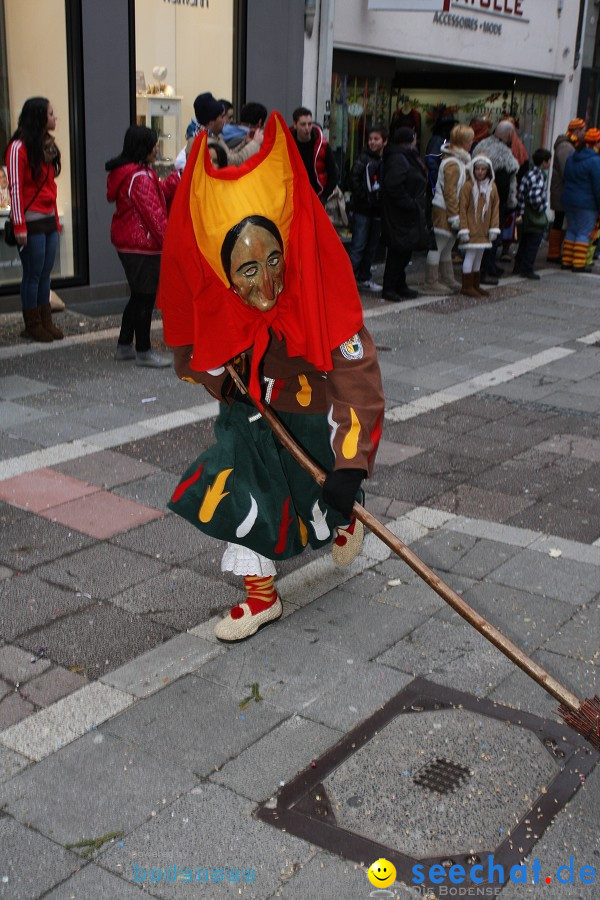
381, 873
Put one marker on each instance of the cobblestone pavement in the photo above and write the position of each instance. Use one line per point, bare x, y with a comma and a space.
124, 723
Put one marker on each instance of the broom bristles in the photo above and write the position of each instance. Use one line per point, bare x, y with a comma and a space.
585, 720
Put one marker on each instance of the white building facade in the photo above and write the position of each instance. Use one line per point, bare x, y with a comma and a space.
376, 61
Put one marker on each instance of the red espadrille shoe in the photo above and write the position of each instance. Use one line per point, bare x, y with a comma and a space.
348, 543
262, 606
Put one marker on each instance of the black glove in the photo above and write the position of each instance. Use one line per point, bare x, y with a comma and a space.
340, 489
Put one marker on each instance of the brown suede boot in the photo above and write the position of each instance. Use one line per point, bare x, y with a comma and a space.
34, 328
477, 287
46, 316
467, 286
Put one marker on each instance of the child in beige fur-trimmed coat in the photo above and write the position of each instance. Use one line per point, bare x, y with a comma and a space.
479, 211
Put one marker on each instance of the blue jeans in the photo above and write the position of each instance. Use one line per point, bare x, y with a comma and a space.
366, 231
37, 259
580, 224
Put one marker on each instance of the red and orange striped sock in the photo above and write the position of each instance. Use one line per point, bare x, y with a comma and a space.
261, 594
567, 253
579, 255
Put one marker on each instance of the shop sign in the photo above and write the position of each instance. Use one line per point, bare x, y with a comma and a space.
513, 9
411, 5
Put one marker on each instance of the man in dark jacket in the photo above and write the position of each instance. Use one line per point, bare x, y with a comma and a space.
564, 145
404, 217
316, 154
365, 183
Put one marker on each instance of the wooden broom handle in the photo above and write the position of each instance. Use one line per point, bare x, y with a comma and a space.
489, 631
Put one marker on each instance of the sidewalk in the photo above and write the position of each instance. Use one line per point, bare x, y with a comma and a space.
121, 715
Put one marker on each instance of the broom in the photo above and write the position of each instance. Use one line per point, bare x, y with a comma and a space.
583, 717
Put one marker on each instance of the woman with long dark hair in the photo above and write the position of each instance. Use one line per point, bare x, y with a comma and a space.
137, 231
33, 162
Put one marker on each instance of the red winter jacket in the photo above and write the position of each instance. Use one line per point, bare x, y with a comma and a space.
140, 219
23, 188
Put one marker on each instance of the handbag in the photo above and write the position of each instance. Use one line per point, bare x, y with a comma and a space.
534, 220
9, 228
9, 233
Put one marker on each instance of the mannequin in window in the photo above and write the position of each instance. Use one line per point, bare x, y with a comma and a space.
407, 116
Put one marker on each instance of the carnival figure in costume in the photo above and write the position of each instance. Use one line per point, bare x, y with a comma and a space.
253, 274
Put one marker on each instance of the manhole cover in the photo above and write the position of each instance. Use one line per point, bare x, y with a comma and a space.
435, 776
442, 776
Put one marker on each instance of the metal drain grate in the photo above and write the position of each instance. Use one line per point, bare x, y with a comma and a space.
328, 805
442, 776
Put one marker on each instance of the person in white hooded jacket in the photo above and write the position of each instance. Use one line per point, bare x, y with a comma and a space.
479, 222
454, 168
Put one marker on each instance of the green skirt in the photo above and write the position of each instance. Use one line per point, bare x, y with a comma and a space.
248, 490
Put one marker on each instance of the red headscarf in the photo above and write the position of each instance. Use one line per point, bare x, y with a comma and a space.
319, 307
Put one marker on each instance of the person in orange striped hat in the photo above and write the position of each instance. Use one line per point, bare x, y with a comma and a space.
592, 139
581, 200
564, 146
254, 273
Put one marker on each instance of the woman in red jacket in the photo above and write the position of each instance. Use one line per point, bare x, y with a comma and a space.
137, 231
33, 162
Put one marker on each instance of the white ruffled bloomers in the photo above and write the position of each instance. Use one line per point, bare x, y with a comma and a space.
243, 561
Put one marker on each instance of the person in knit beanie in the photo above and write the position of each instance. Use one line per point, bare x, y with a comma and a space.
564, 145
581, 202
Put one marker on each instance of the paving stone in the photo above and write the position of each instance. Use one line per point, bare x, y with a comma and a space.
390, 453
172, 452
397, 481
579, 637
357, 626
572, 445
189, 835
67, 719
51, 428
13, 708
101, 515
555, 519
14, 387
42, 489
93, 881
11, 763
106, 469
484, 557
122, 785
5, 688
154, 490
493, 531
452, 467
13, 415
171, 539
442, 550
28, 540
180, 599
573, 833
525, 618
26, 602
452, 654
562, 579
522, 692
465, 500
30, 863
52, 686
166, 663
196, 722
364, 688
102, 571
549, 544
258, 772
97, 639
18, 666
5, 573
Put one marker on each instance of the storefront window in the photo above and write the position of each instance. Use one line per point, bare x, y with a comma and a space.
181, 50
360, 102
33, 62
